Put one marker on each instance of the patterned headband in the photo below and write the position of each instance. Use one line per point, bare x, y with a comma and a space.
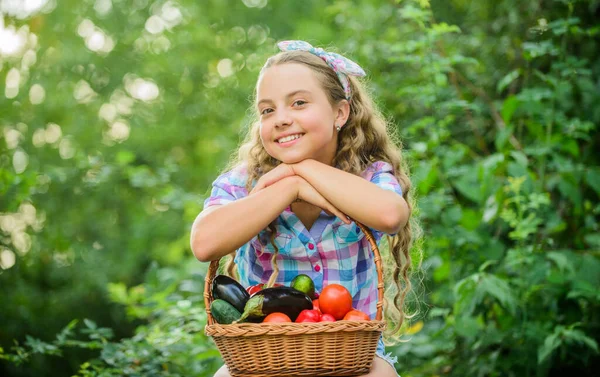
342, 66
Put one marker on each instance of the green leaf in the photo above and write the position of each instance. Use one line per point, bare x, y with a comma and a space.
593, 240
208, 354
441, 272
502, 137
124, 157
66, 332
578, 336
118, 293
499, 289
570, 146
486, 264
507, 80
508, 108
468, 326
570, 191
520, 157
466, 295
551, 343
426, 176
548, 79
491, 209
470, 219
38, 346
591, 343
562, 25
452, 215
90, 324
536, 49
444, 28
525, 227
592, 177
467, 184
563, 260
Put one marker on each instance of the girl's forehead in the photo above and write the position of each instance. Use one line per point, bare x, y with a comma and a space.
286, 78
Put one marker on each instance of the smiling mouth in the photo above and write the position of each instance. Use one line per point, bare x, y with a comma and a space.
289, 138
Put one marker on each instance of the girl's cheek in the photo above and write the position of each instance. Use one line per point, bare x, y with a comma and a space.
263, 134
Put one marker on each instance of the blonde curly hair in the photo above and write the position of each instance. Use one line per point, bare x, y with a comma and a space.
365, 138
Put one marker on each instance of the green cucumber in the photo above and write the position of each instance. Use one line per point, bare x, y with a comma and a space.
223, 312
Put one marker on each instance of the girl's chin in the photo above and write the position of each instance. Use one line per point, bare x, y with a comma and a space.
294, 158
291, 160
288, 158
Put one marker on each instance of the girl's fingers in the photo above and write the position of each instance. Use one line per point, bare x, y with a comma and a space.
344, 218
280, 172
259, 186
341, 215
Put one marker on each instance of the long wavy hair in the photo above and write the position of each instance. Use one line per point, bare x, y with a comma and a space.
365, 138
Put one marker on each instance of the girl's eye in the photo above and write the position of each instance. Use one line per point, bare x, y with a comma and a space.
299, 102
265, 111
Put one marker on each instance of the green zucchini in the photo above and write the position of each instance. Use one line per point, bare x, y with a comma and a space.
223, 312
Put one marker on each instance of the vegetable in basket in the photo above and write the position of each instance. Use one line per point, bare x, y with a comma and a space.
228, 289
223, 312
356, 315
277, 317
309, 316
336, 300
285, 300
258, 287
304, 283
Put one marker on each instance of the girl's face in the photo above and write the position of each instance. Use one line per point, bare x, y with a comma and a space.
297, 122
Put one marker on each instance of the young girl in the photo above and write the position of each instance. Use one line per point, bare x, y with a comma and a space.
318, 156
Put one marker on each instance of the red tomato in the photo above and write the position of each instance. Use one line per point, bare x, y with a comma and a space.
327, 318
356, 315
254, 288
316, 305
336, 300
277, 317
308, 315
259, 287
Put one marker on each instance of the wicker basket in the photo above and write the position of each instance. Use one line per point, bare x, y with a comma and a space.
341, 348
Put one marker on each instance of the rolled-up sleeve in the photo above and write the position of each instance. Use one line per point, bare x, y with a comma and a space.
383, 176
227, 188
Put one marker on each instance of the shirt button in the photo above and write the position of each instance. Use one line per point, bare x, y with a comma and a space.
311, 246
317, 268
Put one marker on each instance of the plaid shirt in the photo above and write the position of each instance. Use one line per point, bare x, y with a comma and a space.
330, 252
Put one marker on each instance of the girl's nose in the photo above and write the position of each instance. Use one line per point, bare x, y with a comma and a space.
283, 119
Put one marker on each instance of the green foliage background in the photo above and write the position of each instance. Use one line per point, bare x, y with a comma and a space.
117, 115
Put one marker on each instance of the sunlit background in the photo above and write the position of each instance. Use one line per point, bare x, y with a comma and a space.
116, 116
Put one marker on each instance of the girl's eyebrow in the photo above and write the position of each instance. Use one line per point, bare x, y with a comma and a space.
291, 94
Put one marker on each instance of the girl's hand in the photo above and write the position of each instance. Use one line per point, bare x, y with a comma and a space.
280, 172
307, 193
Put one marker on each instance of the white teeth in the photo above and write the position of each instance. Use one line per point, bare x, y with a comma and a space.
289, 138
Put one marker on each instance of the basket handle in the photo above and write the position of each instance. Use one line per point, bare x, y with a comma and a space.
212, 271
